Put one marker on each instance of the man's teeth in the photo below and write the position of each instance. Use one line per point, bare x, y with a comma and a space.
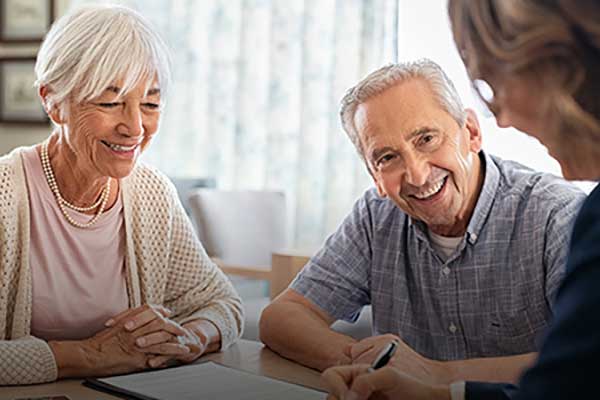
117, 147
433, 190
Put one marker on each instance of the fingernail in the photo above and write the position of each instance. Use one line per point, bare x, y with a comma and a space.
109, 323
350, 395
140, 341
153, 363
129, 325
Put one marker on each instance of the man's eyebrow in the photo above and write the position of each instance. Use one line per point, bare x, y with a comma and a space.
420, 131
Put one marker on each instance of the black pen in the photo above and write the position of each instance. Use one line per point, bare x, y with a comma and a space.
384, 357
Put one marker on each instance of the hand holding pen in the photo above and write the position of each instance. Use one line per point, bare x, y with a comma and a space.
360, 382
385, 356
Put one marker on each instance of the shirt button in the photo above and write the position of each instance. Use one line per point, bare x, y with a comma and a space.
446, 271
473, 237
452, 328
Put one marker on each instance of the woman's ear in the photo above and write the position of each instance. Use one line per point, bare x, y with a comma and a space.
51, 109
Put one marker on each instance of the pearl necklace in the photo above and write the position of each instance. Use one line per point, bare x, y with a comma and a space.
64, 204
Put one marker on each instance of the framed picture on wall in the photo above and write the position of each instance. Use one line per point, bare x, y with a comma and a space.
19, 102
25, 21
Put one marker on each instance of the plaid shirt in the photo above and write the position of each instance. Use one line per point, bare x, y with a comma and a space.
492, 297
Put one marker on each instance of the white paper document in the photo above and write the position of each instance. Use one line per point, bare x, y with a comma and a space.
204, 381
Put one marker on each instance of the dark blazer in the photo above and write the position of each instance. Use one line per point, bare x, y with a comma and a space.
569, 359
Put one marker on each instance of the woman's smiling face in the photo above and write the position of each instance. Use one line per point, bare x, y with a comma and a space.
108, 133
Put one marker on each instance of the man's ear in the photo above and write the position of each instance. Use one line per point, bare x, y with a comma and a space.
51, 109
472, 125
380, 191
378, 185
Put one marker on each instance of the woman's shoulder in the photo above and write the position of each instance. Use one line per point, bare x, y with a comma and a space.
12, 159
144, 173
145, 177
11, 166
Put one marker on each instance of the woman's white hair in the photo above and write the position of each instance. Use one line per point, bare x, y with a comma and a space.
89, 49
390, 75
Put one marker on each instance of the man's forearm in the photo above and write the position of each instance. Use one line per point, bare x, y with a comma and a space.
295, 333
493, 369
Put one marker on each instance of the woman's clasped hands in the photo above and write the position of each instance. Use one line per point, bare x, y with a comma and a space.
144, 337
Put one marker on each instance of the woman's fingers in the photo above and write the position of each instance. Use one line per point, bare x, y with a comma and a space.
153, 339
166, 349
160, 325
149, 314
159, 361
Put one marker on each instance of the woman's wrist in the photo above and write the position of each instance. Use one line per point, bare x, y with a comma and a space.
73, 358
207, 333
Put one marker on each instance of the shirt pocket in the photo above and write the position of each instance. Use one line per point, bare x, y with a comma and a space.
515, 330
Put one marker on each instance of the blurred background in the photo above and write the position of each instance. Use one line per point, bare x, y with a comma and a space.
257, 84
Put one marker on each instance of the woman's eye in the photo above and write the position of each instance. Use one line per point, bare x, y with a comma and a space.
108, 105
152, 106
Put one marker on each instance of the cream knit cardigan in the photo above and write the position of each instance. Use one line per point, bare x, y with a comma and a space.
165, 264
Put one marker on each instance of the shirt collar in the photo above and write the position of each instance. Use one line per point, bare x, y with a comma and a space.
491, 180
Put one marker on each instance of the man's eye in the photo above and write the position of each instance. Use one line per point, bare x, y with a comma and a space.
152, 106
385, 159
427, 139
109, 105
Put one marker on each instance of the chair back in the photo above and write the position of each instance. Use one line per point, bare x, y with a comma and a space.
240, 228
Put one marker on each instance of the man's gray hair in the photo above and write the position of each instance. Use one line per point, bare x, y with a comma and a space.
90, 48
390, 75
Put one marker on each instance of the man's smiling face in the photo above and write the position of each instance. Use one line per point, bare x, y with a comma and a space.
420, 157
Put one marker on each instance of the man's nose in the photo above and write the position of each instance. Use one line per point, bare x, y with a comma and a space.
417, 172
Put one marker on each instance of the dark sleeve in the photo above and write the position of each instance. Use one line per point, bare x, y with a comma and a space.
489, 391
568, 361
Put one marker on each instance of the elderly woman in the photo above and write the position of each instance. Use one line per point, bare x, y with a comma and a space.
101, 272
542, 61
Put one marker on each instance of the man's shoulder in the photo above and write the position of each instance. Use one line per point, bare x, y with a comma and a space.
372, 201
524, 184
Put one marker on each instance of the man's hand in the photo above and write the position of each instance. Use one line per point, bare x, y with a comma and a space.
405, 359
354, 382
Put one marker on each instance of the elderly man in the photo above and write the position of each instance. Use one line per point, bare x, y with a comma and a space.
459, 253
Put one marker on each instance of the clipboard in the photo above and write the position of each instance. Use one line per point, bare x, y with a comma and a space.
201, 381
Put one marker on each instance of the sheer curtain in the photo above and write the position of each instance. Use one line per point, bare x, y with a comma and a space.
256, 93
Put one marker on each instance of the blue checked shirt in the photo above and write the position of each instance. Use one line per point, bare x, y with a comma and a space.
492, 297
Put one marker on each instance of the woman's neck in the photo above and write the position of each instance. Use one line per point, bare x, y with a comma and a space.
78, 182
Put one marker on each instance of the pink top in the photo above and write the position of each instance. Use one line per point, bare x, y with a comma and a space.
78, 275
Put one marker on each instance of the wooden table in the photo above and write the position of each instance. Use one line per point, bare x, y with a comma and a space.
246, 355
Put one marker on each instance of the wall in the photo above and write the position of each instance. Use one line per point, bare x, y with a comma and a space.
12, 136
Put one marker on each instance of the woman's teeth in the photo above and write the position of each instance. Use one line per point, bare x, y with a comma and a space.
120, 148
431, 191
